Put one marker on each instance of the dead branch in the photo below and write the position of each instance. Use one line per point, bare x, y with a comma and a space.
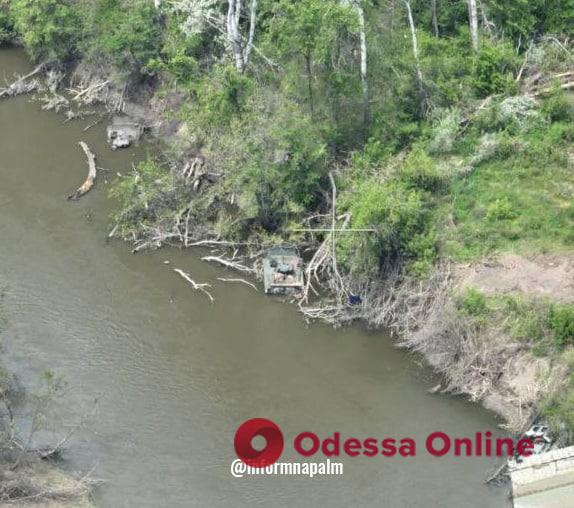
239, 280
202, 243
498, 473
228, 263
80, 93
94, 123
195, 285
549, 89
91, 178
54, 450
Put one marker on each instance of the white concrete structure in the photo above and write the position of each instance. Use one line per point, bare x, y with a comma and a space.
545, 480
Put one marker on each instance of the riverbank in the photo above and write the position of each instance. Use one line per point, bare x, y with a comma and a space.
30, 477
502, 354
449, 174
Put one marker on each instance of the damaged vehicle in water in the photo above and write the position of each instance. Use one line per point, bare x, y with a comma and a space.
283, 271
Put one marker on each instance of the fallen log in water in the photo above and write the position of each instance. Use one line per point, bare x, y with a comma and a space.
91, 178
243, 281
197, 286
229, 263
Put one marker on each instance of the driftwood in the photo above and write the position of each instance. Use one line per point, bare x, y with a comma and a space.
243, 281
195, 285
91, 178
205, 243
229, 263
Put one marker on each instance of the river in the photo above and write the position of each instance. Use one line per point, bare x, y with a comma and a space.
175, 374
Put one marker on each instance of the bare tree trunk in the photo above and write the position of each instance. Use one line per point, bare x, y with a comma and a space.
364, 68
252, 21
419, 74
240, 53
310, 83
233, 35
434, 18
473, 22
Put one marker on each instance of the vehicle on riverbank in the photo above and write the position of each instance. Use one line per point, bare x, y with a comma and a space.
283, 270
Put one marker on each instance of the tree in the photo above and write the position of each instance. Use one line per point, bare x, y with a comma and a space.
434, 18
473, 23
364, 63
415, 44
201, 14
240, 50
49, 28
316, 39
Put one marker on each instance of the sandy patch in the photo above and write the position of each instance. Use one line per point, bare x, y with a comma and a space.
550, 276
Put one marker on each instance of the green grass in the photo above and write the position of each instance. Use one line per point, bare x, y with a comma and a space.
520, 201
546, 326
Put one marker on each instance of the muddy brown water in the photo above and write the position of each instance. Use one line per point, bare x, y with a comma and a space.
176, 374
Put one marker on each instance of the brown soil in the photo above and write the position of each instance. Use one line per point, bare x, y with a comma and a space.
549, 276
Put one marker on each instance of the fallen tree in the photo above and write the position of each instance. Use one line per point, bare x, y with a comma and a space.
24, 84
91, 178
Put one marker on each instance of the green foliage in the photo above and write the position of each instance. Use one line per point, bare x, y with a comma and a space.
314, 41
523, 19
49, 28
520, 197
558, 107
421, 171
275, 158
561, 411
128, 37
447, 68
221, 97
7, 31
500, 209
145, 197
562, 324
473, 302
494, 69
400, 215
548, 328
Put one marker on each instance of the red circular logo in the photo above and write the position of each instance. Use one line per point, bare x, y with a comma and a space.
251, 429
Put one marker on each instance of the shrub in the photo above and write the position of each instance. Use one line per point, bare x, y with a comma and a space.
272, 155
562, 323
144, 196
557, 107
494, 69
220, 97
421, 171
7, 31
560, 411
501, 209
518, 111
444, 132
473, 302
400, 215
